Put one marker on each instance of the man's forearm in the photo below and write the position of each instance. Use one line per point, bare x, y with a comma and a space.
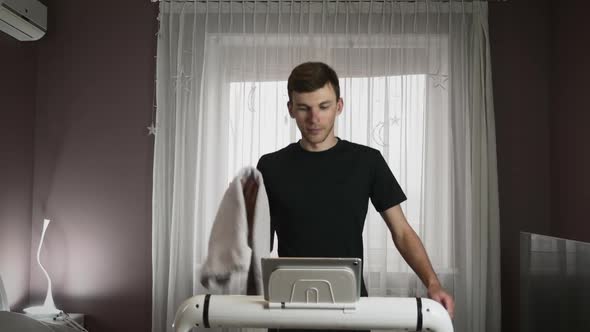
412, 250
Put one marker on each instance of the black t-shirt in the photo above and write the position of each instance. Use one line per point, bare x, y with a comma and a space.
319, 200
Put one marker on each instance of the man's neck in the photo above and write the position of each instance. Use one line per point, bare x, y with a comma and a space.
327, 144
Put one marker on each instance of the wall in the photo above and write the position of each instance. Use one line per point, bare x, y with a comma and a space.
570, 120
541, 70
93, 160
520, 50
17, 109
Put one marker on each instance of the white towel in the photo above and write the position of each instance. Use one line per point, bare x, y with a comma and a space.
229, 252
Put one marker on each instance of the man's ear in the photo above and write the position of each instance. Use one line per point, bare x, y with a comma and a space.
290, 108
339, 105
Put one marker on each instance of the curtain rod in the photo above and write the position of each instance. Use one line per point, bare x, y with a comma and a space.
331, 1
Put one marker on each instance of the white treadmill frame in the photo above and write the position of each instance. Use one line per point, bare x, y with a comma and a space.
293, 308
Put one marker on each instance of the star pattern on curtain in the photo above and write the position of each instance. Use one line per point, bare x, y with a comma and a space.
151, 129
181, 80
439, 80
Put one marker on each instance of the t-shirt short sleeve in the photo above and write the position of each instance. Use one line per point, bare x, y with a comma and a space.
385, 190
260, 165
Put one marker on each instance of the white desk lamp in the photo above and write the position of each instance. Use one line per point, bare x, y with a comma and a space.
48, 307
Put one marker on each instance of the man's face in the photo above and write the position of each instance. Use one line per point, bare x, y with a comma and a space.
315, 113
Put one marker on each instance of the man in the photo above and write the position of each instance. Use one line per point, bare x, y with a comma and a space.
319, 187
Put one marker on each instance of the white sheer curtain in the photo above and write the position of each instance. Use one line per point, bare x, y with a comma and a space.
415, 78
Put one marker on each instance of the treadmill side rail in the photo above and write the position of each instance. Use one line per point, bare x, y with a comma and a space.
253, 312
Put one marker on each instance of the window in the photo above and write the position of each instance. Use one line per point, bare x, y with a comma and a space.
384, 112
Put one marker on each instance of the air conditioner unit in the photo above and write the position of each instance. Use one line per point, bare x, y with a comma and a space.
23, 19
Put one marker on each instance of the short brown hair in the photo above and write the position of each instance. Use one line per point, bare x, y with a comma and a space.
310, 76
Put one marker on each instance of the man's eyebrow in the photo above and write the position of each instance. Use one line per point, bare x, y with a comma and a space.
301, 105
323, 103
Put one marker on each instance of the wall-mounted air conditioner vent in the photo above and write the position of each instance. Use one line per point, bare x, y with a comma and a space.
23, 19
